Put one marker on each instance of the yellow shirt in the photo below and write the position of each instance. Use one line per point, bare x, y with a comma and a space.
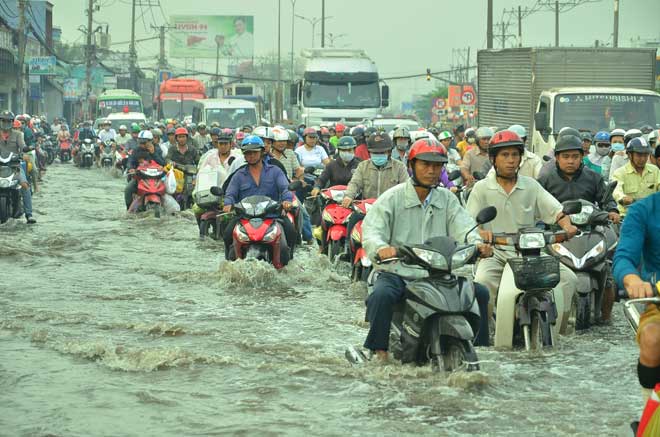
463, 147
631, 183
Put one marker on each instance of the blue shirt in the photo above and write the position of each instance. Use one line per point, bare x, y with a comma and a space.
639, 241
272, 183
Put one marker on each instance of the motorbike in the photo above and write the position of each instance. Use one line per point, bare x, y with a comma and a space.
121, 159
86, 154
107, 154
361, 264
10, 196
184, 198
438, 319
49, 149
334, 220
150, 188
526, 302
65, 151
312, 206
589, 256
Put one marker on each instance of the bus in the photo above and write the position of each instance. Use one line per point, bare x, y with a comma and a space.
176, 97
118, 100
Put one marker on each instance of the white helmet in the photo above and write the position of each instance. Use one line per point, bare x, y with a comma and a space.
264, 132
280, 134
123, 127
518, 129
145, 136
485, 132
401, 132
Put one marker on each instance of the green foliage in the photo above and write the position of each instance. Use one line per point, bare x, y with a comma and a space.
422, 106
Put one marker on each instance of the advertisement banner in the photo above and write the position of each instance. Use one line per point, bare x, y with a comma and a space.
71, 91
42, 65
195, 36
455, 93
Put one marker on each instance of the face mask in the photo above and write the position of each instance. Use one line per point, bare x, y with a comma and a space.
402, 145
379, 159
603, 151
618, 147
346, 156
471, 140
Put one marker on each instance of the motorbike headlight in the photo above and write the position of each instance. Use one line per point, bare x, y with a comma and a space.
271, 234
561, 250
462, 256
596, 250
241, 235
432, 258
582, 217
4, 183
534, 240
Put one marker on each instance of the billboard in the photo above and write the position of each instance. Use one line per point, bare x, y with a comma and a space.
71, 89
195, 36
42, 65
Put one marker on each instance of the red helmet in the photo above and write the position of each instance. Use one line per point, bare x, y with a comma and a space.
503, 139
325, 131
428, 150
181, 131
309, 131
340, 128
240, 135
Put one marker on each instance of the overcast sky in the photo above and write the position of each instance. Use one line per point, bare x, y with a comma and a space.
402, 37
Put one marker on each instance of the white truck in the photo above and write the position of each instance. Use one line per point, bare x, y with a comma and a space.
231, 113
338, 85
545, 89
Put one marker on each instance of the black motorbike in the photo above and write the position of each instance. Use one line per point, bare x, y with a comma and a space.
10, 195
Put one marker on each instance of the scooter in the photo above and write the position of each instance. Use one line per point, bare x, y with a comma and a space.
359, 259
65, 151
184, 198
588, 255
121, 159
529, 303
10, 196
439, 317
86, 153
150, 188
334, 220
49, 148
107, 154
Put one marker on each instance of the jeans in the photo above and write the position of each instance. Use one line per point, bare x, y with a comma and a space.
26, 192
131, 188
389, 289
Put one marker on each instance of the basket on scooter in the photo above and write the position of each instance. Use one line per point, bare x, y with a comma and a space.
535, 273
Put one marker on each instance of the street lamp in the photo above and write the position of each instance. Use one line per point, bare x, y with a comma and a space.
313, 21
293, 26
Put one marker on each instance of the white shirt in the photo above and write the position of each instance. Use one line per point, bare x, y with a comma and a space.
311, 158
241, 46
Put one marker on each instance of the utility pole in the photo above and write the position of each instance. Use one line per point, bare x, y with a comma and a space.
293, 27
161, 57
489, 32
278, 98
615, 39
519, 26
132, 55
20, 68
467, 65
89, 56
556, 23
322, 23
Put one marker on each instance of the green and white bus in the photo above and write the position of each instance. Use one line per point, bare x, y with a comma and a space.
119, 100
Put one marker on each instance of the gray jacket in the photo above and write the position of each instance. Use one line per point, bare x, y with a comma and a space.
371, 182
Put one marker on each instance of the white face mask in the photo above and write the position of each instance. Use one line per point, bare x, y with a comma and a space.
471, 140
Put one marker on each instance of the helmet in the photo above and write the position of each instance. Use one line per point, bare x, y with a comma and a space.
135, 128
379, 143
358, 133
7, 116
602, 137
618, 132
123, 127
428, 150
470, 132
486, 132
339, 127
308, 131
519, 130
104, 122
181, 131
568, 142
444, 135
224, 135
346, 143
171, 131
157, 132
504, 139
653, 135
145, 136
215, 124
370, 130
325, 131
240, 135
263, 132
586, 136
215, 131
638, 145
401, 132
201, 125
252, 142
434, 131
646, 129
630, 134
192, 126
280, 134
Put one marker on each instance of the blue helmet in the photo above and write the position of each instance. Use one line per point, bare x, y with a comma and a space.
252, 142
602, 137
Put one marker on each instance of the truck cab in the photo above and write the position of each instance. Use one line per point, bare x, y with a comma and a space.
593, 109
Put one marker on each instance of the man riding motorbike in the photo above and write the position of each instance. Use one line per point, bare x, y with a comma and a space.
182, 154
477, 158
637, 179
258, 178
145, 143
12, 142
405, 215
122, 136
521, 202
401, 140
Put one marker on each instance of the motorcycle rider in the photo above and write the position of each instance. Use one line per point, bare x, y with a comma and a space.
339, 132
122, 136
324, 141
401, 139
573, 180
599, 158
637, 179
395, 220
468, 141
287, 158
182, 154
531, 164
459, 136
341, 169
521, 202
620, 139
146, 145
361, 151
201, 137
106, 132
258, 178
12, 142
477, 158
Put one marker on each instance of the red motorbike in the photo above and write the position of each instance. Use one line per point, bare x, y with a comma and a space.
359, 259
334, 221
65, 151
150, 188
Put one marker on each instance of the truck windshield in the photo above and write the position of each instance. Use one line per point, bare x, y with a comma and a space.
232, 117
597, 112
117, 105
177, 109
341, 94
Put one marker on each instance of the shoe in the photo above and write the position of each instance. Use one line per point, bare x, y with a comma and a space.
30, 220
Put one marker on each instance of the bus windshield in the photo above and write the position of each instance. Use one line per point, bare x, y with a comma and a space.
341, 94
232, 117
117, 105
596, 112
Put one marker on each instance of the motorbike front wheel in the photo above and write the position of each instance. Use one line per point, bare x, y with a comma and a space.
456, 355
582, 319
155, 208
334, 249
538, 333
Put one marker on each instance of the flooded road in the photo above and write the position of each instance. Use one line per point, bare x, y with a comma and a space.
116, 325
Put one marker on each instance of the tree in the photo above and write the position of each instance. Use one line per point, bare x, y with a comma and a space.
422, 106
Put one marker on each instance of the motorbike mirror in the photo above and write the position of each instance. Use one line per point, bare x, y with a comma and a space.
310, 170
546, 158
607, 195
216, 191
572, 207
478, 175
486, 215
295, 186
454, 175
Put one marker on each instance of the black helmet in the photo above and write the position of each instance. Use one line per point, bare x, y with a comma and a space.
358, 133
568, 142
586, 136
378, 143
293, 136
568, 131
170, 131
7, 115
369, 131
346, 143
638, 145
225, 135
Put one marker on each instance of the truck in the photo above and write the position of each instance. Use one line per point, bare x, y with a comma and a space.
231, 113
338, 85
176, 97
545, 89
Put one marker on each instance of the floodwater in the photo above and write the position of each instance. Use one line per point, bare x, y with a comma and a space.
131, 326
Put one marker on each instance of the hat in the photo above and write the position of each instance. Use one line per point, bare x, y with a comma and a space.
379, 143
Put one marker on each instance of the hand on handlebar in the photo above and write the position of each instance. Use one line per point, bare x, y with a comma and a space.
485, 250
226, 208
571, 231
386, 253
315, 192
614, 217
286, 205
346, 202
637, 288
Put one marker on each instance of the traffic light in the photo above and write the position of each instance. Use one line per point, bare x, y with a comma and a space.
428, 74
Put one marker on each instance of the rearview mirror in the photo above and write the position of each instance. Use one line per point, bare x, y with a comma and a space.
217, 191
486, 215
546, 158
541, 121
385, 96
295, 185
572, 207
454, 175
478, 175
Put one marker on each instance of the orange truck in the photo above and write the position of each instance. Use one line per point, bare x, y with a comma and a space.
177, 96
